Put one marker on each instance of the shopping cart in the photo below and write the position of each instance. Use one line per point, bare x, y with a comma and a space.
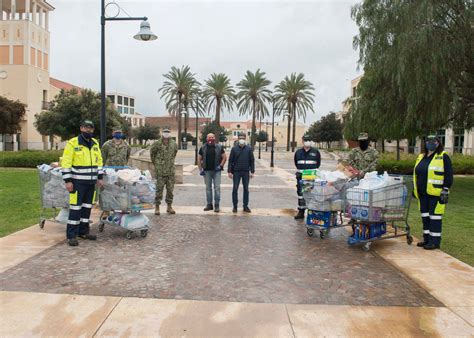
53, 195
326, 205
381, 213
122, 208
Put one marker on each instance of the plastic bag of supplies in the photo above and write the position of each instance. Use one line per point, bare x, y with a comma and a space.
53, 188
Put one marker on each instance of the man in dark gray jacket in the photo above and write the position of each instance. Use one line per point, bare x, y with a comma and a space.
211, 161
241, 167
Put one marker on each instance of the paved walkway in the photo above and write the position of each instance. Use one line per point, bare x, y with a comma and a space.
199, 273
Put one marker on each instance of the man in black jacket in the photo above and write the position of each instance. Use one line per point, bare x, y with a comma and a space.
306, 157
241, 166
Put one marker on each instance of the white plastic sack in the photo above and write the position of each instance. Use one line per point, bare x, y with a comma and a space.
134, 221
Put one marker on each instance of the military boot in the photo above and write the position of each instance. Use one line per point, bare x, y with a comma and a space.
157, 210
170, 210
300, 214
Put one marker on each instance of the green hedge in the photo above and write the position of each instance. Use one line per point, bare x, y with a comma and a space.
28, 158
462, 164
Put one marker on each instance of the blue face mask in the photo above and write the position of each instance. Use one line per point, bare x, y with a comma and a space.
118, 136
431, 146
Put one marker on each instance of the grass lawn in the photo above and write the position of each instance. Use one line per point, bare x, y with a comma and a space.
458, 221
19, 199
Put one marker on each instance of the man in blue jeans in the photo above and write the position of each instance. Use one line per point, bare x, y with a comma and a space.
241, 167
211, 161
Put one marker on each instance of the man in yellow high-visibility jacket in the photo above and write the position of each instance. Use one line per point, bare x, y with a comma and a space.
81, 169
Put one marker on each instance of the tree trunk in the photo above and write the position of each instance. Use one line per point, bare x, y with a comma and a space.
398, 150
179, 122
218, 111
294, 128
254, 127
288, 130
383, 145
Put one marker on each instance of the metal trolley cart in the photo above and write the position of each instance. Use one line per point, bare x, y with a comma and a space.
381, 213
53, 194
326, 205
121, 206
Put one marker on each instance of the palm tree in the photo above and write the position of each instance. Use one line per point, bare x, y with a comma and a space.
177, 90
218, 93
298, 95
252, 95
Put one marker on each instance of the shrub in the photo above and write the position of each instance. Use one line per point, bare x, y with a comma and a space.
28, 158
462, 164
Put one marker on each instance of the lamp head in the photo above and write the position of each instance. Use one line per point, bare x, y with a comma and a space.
145, 33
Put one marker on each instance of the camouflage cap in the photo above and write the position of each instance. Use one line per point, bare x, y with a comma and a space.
166, 130
363, 136
432, 138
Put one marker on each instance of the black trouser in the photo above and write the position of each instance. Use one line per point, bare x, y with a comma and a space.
431, 220
245, 176
299, 192
80, 205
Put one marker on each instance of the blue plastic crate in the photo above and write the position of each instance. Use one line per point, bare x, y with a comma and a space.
318, 218
363, 232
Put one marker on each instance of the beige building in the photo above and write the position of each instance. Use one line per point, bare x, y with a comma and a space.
125, 105
24, 65
454, 140
280, 131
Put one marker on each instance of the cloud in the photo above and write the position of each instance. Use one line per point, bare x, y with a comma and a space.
312, 37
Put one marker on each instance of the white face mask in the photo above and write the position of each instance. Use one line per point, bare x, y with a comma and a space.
307, 144
241, 142
166, 135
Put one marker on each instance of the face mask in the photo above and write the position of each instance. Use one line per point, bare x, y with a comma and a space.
87, 136
307, 144
166, 135
364, 144
241, 142
431, 146
118, 136
211, 142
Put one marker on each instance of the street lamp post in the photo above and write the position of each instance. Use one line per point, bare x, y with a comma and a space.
196, 111
260, 135
145, 34
272, 163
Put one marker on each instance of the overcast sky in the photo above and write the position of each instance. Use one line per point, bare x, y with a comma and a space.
312, 37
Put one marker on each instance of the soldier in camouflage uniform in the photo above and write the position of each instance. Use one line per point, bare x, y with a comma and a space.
364, 158
116, 152
163, 153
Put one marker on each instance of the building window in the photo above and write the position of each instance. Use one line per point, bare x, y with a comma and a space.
125, 100
442, 136
119, 99
111, 98
411, 145
132, 110
354, 91
125, 110
458, 140
119, 109
132, 102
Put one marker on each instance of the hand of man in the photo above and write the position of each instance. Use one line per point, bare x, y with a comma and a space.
100, 183
443, 198
69, 187
251, 175
230, 175
201, 172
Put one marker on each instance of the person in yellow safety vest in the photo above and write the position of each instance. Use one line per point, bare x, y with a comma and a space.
432, 178
81, 169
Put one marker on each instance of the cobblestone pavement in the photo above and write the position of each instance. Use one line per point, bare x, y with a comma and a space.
267, 259
223, 258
